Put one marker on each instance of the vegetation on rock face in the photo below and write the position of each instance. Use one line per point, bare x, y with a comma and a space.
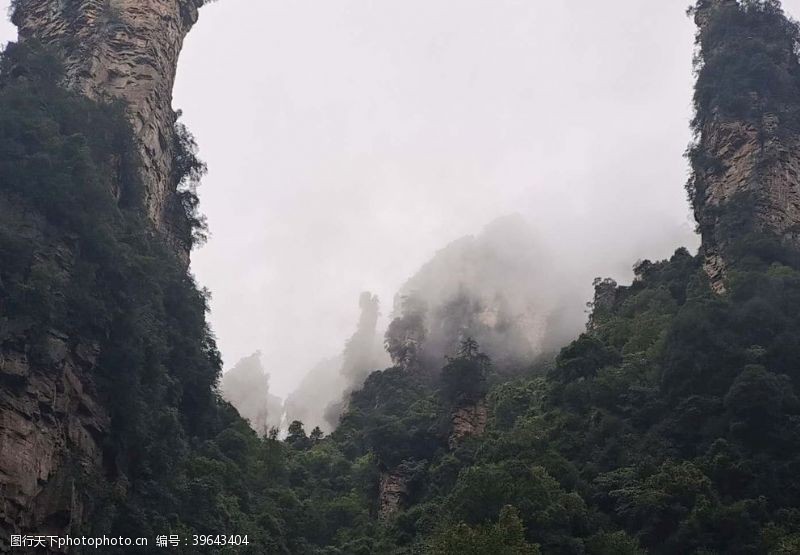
747, 63
671, 426
188, 170
77, 256
743, 181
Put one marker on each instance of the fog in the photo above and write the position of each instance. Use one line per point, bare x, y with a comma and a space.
322, 394
503, 287
350, 141
246, 386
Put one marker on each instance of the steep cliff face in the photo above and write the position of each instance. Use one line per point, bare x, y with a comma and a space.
468, 420
748, 145
393, 491
49, 418
127, 50
53, 422
753, 161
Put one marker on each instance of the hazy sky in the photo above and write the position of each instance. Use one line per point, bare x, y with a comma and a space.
348, 140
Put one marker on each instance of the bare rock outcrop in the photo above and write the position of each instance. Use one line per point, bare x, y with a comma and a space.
51, 424
393, 492
126, 50
605, 296
752, 160
469, 420
735, 158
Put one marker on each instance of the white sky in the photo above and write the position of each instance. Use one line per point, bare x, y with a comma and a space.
348, 140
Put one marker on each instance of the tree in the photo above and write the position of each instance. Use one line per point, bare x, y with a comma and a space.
464, 376
505, 537
583, 359
316, 435
406, 334
297, 437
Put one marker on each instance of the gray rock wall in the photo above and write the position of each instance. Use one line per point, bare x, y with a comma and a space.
127, 50
51, 422
759, 159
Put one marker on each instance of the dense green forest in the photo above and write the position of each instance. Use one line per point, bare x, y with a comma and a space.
671, 426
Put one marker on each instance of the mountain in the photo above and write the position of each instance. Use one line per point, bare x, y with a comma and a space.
319, 399
246, 387
128, 51
500, 287
108, 406
745, 186
670, 425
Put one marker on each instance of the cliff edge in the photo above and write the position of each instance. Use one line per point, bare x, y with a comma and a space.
55, 422
125, 50
746, 157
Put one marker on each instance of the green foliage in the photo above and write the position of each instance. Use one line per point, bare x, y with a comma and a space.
613, 543
188, 170
464, 376
506, 537
747, 63
79, 260
551, 515
406, 334
671, 426
583, 359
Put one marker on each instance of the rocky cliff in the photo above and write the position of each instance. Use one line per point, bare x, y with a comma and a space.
393, 490
126, 50
747, 145
467, 420
49, 420
52, 419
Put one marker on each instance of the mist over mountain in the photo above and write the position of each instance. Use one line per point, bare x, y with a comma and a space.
502, 287
379, 134
246, 387
322, 386
492, 416
323, 392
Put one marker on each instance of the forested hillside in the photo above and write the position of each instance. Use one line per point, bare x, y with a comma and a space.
672, 425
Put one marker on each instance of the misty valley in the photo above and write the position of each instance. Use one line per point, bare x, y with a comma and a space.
422, 390
487, 287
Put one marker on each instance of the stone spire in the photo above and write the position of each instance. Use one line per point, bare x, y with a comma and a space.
128, 50
755, 157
